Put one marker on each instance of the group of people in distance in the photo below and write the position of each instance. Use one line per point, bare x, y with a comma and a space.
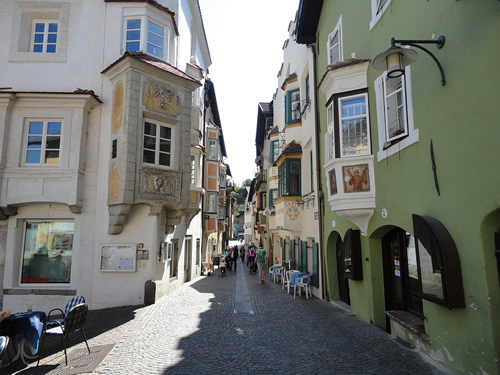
256, 260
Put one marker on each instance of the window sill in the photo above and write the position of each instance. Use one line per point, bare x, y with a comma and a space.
410, 322
41, 292
408, 141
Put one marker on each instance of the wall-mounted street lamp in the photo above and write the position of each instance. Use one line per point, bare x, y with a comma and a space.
396, 58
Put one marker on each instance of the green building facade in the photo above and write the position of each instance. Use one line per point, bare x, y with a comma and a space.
411, 170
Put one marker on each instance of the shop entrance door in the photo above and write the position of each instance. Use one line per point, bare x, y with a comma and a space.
342, 280
401, 285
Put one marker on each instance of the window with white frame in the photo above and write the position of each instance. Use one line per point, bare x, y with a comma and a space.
44, 39
396, 124
334, 44
274, 150
348, 128
292, 106
330, 133
133, 35
38, 33
174, 260
222, 180
212, 149
394, 113
354, 129
196, 97
157, 144
148, 35
193, 170
273, 195
43, 142
212, 202
289, 177
378, 9
47, 252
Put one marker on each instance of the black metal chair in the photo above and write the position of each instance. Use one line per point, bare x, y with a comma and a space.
76, 300
72, 322
4, 347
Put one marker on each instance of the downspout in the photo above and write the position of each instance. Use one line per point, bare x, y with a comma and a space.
204, 242
318, 175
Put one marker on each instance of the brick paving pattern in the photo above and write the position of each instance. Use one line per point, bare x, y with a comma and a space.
204, 327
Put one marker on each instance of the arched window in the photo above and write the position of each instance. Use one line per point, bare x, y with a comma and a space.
438, 263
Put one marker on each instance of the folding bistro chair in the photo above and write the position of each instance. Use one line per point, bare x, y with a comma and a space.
76, 300
72, 322
4, 343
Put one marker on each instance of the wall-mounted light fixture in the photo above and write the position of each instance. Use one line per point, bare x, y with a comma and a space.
396, 58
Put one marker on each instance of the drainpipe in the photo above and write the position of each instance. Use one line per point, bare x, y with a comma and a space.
318, 175
204, 239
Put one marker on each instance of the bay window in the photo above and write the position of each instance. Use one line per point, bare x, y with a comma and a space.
213, 153
47, 252
354, 129
157, 144
43, 142
274, 151
150, 36
273, 195
292, 106
348, 128
212, 202
289, 173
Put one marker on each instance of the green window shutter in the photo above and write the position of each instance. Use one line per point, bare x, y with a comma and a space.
282, 250
288, 107
315, 276
292, 249
303, 260
271, 151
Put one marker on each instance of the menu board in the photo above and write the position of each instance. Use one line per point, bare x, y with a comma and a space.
118, 258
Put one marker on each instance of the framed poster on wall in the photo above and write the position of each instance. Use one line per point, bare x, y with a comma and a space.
118, 258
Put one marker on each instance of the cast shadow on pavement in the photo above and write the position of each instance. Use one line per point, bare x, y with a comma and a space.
97, 323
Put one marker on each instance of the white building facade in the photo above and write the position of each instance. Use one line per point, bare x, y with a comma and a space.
101, 113
290, 209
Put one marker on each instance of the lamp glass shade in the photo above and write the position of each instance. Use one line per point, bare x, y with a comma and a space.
395, 66
394, 60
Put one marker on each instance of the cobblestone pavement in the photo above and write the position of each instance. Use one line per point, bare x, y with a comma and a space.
232, 324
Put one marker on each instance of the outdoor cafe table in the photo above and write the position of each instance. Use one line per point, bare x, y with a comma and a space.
24, 329
295, 275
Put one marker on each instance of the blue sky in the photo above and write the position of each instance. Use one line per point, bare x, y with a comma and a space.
245, 39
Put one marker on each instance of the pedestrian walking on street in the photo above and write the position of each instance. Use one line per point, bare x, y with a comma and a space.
227, 259
234, 257
250, 259
242, 253
261, 259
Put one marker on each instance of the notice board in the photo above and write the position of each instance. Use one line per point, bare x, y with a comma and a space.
118, 258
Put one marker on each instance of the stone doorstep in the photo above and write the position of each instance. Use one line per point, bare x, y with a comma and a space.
410, 322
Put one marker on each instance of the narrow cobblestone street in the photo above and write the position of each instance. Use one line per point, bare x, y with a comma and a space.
234, 325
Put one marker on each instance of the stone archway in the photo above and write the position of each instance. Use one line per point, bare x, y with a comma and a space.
331, 274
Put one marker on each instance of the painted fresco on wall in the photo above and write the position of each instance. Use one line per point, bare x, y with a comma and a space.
161, 99
356, 178
333, 182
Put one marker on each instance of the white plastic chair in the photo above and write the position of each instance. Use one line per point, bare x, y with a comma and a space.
282, 276
303, 282
287, 282
276, 273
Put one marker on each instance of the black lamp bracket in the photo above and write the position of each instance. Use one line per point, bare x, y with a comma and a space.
439, 42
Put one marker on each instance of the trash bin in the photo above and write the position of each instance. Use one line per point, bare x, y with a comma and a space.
216, 260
